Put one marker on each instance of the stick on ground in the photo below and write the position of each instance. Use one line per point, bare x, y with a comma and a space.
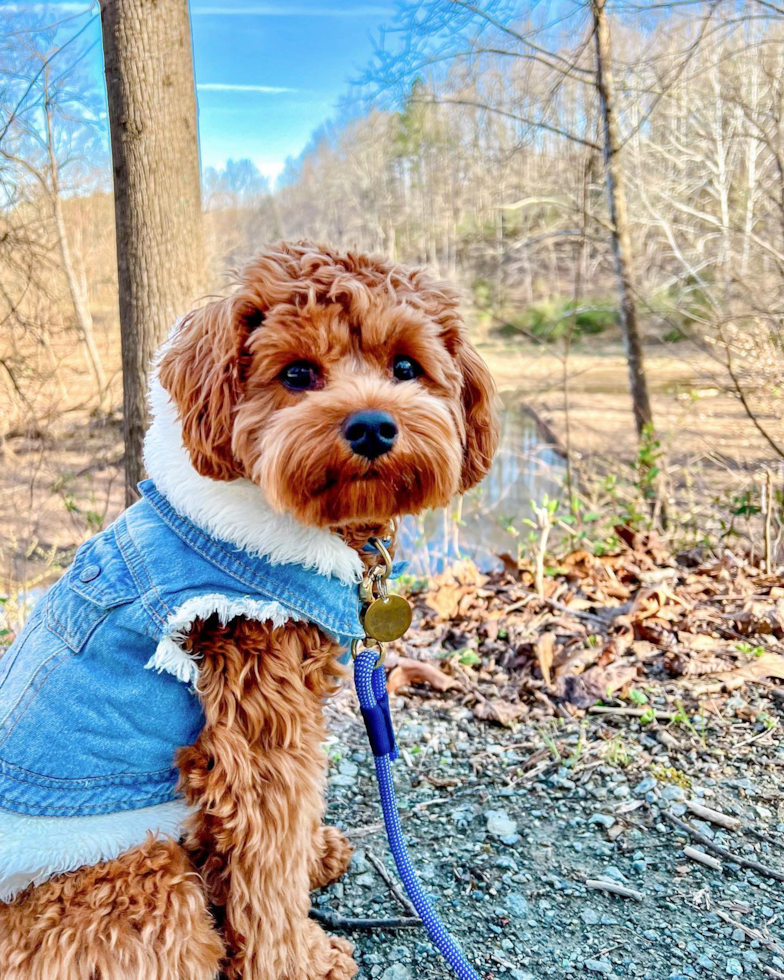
599, 884
397, 894
713, 816
334, 921
761, 869
702, 858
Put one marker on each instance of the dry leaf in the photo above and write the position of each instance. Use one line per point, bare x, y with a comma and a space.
407, 672
759, 669
595, 684
503, 712
545, 647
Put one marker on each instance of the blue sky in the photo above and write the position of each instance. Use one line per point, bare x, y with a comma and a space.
267, 73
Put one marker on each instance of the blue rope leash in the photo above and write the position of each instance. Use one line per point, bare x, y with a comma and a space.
371, 686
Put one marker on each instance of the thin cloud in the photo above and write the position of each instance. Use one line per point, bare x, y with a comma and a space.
281, 10
223, 87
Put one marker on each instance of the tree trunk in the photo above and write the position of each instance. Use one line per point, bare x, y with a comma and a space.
157, 189
621, 241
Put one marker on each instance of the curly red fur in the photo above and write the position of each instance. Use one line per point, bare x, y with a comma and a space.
257, 775
142, 916
349, 315
234, 896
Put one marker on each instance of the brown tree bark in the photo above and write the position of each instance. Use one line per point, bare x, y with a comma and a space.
157, 189
621, 240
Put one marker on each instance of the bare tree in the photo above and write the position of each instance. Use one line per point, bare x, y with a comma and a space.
619, 220
155, 155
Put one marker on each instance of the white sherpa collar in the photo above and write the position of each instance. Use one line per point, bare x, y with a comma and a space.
236, 511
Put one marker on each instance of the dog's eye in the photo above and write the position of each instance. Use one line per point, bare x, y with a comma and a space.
406, 368
300, 376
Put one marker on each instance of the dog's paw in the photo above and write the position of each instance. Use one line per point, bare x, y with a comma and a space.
332, 857
340, 964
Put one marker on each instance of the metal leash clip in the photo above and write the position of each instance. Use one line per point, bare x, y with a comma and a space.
385, 615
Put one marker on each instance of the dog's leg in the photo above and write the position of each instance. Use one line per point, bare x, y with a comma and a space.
256, 773
331, 856
142, 916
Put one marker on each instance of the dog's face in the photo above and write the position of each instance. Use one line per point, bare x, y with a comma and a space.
343, 385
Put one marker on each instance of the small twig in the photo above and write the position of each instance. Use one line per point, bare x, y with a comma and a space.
372, 828
599, 709
765, 837
577, 613
768, 506
713, 816
703, 839
762, 939
611, 886
702, 858
394, 889
334, 921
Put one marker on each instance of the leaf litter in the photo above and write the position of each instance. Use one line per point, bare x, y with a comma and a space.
606, 628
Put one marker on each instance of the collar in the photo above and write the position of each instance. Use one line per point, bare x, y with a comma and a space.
236, 512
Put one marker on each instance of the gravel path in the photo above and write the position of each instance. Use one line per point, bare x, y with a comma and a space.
507, 827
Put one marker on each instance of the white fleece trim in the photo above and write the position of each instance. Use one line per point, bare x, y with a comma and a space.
236, 511
170, 656
34, 849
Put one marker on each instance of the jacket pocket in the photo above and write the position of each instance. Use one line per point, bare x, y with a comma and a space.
97, 582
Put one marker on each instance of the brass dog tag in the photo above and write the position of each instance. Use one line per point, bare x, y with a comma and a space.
387, 618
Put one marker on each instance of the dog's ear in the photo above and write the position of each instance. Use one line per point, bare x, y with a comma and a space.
203, 369
481, 417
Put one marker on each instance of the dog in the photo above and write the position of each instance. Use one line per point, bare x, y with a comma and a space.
161, 772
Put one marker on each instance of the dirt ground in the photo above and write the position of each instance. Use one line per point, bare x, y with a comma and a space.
700, 422
511, 851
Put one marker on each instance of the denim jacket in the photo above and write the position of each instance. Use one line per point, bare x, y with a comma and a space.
96, 692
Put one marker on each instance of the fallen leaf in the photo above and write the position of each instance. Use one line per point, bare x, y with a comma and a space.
759, 669
502, 712
407, 672
545, 647
595, 684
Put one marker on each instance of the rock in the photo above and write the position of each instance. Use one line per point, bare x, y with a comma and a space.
605, 819
359, 863
603, 966
396, 972
613, 874
739, 935
365, 880
645, 786
500, 824
342, 780
590, 917
517, 904
346, 768
734, 968
705, 962
670, 793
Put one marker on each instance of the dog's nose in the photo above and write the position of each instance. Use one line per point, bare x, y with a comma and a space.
370, 433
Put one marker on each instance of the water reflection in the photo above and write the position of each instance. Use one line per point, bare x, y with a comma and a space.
524, 469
